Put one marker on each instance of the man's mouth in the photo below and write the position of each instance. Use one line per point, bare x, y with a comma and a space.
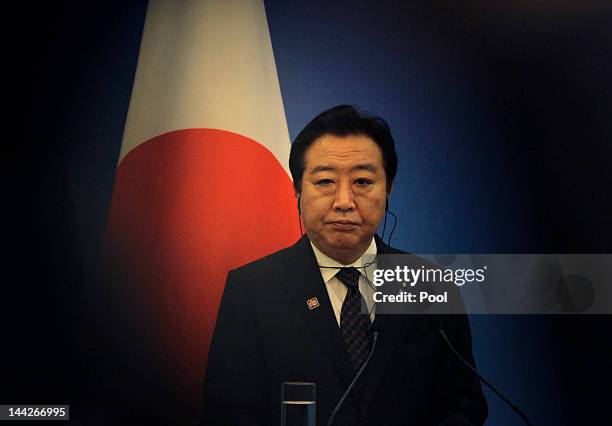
343, 225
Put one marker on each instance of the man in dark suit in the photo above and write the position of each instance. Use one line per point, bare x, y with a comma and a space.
295, 315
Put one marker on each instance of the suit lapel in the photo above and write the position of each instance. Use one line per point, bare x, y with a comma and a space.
304, 282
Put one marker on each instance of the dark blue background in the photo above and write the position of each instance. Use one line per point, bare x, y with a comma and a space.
502, 117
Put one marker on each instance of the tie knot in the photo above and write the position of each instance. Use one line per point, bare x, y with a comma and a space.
349, 276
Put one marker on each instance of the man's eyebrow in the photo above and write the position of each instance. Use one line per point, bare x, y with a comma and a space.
324, 168
318, 169
367, 167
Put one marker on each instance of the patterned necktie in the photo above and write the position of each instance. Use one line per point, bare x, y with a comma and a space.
355, 327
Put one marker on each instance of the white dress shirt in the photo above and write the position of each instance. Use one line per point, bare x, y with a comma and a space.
336, 289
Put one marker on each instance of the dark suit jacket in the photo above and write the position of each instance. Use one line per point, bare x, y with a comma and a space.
266, 334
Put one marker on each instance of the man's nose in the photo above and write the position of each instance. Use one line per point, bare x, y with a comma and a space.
345, 199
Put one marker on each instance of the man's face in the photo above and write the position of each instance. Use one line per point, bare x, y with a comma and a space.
343, 194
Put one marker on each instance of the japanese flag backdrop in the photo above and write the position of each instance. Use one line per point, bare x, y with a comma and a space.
202, 181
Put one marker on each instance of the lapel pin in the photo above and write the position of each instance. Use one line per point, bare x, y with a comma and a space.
312, 303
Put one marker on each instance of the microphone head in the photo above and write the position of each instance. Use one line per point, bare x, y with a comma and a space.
375, 326
435, 323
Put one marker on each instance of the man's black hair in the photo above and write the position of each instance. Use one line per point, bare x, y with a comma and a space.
343, 120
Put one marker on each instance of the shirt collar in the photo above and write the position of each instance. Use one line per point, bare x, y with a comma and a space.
325, 260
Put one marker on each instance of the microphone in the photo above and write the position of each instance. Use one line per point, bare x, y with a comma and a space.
437, 323
348, 390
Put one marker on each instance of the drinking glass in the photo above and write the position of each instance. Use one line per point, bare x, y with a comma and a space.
298, 404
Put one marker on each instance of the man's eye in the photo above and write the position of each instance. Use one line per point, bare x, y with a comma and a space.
363, 182
324, 182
